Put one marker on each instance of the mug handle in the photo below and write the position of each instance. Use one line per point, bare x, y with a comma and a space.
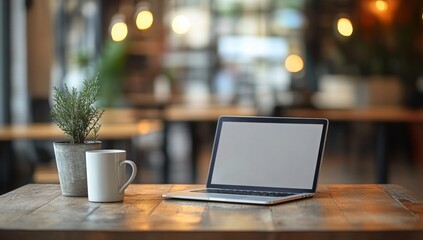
134, 173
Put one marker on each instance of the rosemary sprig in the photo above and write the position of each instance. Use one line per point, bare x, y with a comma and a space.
75, 112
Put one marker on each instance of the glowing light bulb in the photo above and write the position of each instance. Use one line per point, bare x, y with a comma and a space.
345, 27
381, 5
294, 63
119, 31
144, 20
181, 24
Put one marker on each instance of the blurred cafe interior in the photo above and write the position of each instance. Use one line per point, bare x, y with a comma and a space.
172, 67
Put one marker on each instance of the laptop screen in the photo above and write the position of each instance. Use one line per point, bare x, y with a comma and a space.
274, 153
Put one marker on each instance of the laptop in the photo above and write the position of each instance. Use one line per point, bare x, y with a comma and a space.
262, 160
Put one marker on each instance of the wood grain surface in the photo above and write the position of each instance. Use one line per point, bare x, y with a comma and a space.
39, 211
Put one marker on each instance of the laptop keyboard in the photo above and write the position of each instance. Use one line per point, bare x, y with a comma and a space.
243, 192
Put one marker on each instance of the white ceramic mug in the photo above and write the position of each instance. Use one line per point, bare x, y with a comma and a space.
106, 174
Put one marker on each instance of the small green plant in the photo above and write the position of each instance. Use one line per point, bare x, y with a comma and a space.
75, 113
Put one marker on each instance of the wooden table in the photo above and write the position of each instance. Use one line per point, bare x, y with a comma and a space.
336, 212
49, 131
117, 123
204, 113
381, 116
374, 114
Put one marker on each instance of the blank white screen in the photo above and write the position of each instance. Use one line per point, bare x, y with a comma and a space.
267, 154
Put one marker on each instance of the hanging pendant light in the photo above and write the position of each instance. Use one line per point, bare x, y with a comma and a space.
118, 28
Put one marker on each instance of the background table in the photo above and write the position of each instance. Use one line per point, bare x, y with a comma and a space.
381, 116
336, 212
194, 115
110, 133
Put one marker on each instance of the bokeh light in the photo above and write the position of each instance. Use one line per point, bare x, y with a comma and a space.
345, 27
119, 31
144, 20
181, 24
381, 5
294, 63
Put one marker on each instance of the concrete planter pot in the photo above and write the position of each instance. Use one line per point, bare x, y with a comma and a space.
71, 166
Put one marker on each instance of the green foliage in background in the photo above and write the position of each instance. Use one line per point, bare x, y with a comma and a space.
112, 67
75, 113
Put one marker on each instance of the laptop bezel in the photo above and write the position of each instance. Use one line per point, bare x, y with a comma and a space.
324, 122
